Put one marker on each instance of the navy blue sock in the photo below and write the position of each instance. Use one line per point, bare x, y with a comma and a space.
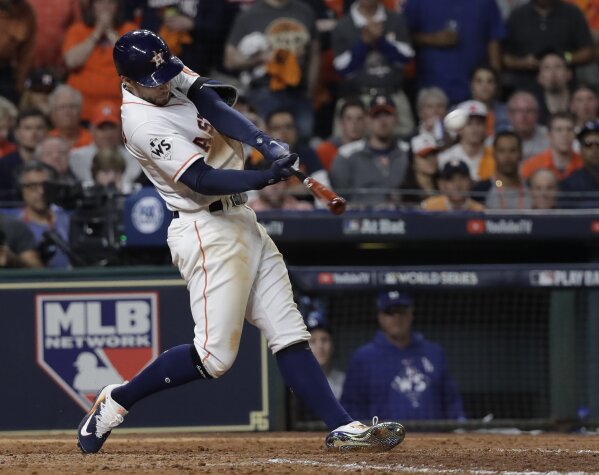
302, 373
174, 367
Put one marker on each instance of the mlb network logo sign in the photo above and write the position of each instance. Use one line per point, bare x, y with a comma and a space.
86, 341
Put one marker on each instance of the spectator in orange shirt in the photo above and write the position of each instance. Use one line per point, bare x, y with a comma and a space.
454, 183
88, 53
17, 37
352, 123
107, 134
8, 114
560, 157
65, 112
54, 17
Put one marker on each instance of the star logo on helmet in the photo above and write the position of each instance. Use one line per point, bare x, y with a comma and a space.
157, 59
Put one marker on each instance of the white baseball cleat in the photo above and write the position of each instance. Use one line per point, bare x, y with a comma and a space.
105, 415
355, 436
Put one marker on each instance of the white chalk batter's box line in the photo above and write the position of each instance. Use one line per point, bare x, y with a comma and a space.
389, 467
409, 469
549, 451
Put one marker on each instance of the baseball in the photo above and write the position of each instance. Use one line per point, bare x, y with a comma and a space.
455, 120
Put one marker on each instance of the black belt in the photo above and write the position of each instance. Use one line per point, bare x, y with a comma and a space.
236, 200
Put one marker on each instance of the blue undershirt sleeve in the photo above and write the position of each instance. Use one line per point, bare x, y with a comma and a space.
231, 122
206, 180
223, 118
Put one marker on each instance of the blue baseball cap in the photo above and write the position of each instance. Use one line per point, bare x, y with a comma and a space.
393, 298
313, 312
454, 167
587, 127
144, 57
316, 320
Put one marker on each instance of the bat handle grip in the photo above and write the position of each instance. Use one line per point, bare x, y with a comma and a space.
299, 174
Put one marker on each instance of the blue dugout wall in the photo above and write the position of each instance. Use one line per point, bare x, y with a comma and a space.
65, 334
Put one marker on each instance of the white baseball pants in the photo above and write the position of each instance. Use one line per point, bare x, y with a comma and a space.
233, 271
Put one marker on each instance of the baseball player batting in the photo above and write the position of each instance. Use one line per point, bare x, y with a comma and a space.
185, 135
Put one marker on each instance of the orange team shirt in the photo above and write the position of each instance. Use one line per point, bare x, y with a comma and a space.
97, 79
84, 138
6, 147
326, 151
337, 6
486, 167
441, 203
53, 19
545, 160
393, 5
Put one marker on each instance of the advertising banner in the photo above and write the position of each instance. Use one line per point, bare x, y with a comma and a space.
63, 341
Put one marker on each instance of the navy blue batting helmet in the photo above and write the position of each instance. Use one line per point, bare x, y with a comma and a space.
144, 57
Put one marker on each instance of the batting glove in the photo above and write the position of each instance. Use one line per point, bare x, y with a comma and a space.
270, 148
281, 168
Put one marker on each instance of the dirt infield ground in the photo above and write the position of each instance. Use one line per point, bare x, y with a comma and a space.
301, 453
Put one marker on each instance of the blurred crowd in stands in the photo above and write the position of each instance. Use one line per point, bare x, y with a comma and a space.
359, 89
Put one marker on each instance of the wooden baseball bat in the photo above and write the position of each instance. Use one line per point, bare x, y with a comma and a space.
335, 202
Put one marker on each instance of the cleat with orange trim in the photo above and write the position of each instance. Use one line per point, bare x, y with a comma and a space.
105, 415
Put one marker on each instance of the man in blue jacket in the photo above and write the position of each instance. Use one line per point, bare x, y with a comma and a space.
399, 374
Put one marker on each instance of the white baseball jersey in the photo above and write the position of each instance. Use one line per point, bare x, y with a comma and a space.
167, 140
232, 267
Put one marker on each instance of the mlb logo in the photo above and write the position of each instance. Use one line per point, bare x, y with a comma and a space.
86, 341
546, 278
543, 278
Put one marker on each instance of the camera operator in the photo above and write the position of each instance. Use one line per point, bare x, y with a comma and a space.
17, 244
49, 223
96, 215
